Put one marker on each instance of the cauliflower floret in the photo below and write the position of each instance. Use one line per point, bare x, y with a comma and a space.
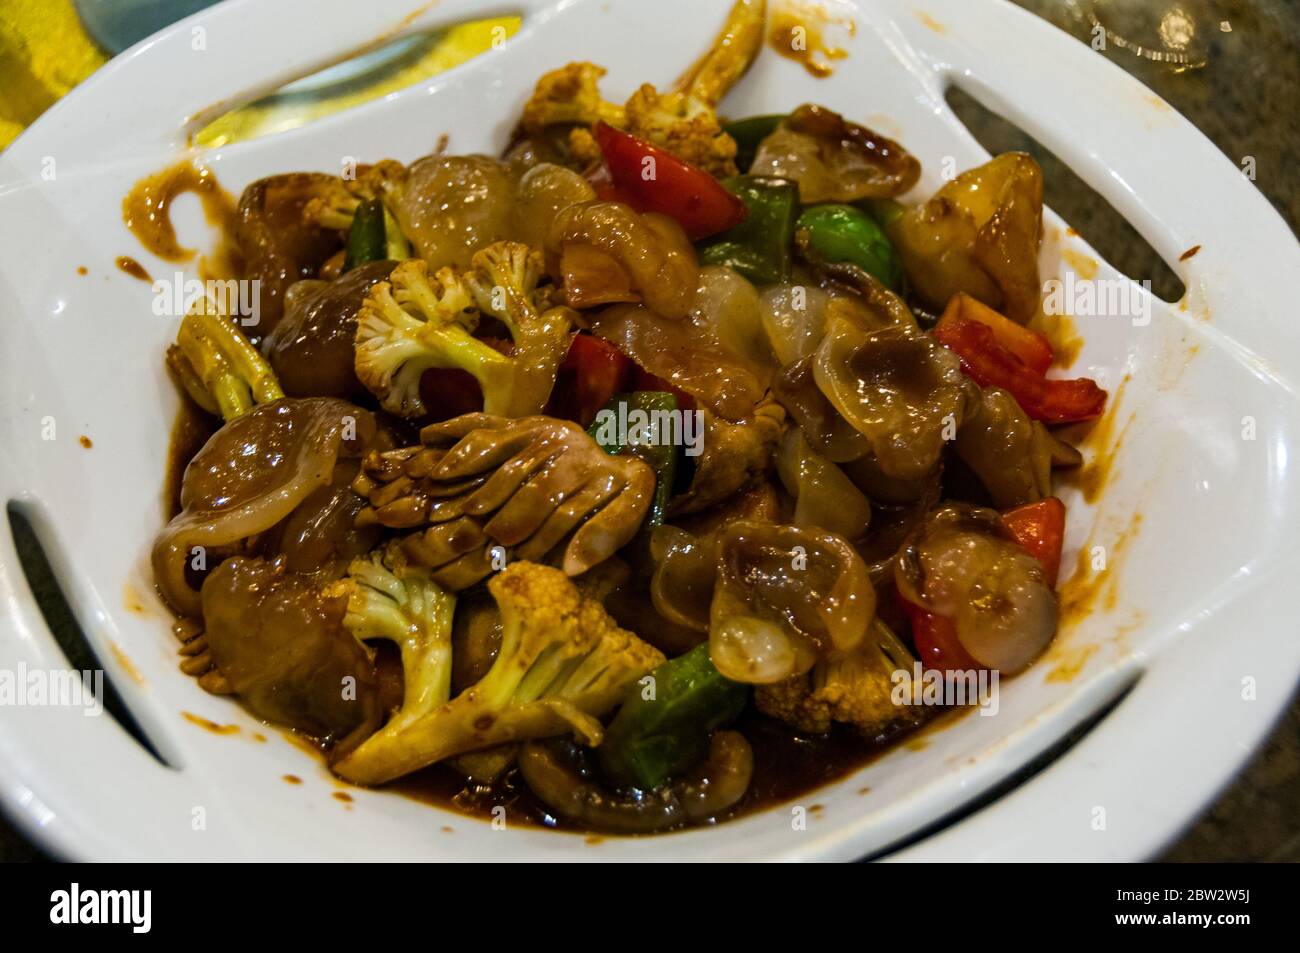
570, 94
411, 323
563, 664
854, 687
335, 209
387, 598
414, 322
682, 121
685, 126
218, 366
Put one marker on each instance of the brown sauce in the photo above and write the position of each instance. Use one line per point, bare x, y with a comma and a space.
799, 33
130, 266
1191, 252
787, 767
1106, 439
208, 725
146, 210
190, 431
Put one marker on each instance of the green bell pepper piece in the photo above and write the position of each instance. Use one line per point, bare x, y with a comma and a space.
748, 133
366, 239
759, 247
374, 236
661, 456
651, 740
844, 233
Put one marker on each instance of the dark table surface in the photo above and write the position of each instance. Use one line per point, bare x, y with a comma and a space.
1245, 99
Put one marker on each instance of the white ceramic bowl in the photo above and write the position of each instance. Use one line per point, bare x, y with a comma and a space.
1198, 524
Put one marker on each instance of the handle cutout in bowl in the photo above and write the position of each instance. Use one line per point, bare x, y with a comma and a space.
371, 73
67, 632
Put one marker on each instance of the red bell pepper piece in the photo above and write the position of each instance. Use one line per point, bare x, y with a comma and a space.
1033, 348
654, 180
935, 639
990, 364
1040, 529
591, 373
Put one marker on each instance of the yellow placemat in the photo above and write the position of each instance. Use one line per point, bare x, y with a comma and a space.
44, 52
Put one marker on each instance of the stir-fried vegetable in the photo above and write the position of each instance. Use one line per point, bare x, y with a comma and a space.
416, 321
749, 133
663, 727
387, 598
219, 367
682, 121
590, 375
853, 687
978, 234
644, 423
1033, 349
1040, 529
703, 794
936, 641
990, 364
366, 239
653, 180
562, 664
759, 247
838, 233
